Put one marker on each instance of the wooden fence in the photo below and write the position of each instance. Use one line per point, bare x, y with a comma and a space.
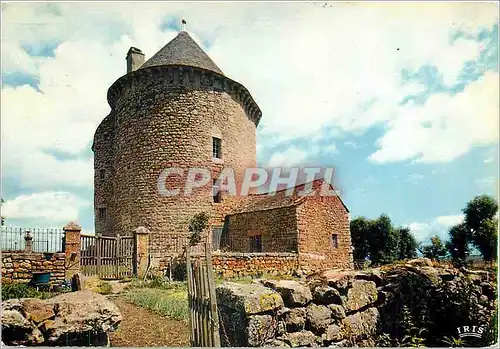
203, 315
109, 257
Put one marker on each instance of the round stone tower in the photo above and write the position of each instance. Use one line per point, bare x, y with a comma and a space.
175, 110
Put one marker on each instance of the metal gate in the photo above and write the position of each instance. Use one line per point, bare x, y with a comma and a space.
109, 257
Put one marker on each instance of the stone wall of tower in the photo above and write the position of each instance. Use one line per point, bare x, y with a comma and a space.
166, 117
104, 175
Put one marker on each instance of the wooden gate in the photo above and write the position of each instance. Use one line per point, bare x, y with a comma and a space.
109, 257
203, 315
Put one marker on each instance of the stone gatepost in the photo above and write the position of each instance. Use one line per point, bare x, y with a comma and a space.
28, 242
141, 251
72, 233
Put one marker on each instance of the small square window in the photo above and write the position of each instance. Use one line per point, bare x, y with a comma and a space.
102, 212
216, 148
102, 174
256, 243
216, 192
335, 241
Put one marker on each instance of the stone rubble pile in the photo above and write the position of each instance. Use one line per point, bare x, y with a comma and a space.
78, 318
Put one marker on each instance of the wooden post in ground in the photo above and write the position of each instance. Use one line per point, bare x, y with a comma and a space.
214, 313
141, 252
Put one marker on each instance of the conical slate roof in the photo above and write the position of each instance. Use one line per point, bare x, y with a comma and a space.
182, 50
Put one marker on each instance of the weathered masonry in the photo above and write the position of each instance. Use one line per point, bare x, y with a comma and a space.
178, 109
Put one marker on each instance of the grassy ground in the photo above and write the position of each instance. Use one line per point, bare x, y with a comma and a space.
164, 298
141, 327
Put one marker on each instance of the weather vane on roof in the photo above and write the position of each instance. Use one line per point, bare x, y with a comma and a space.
184, 25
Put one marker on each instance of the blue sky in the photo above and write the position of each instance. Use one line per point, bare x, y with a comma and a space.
402, 99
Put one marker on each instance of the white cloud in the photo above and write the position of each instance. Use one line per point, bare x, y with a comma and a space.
445, 127
491, 156
290, 157
58, 208
423, 231
449, 221
486, 182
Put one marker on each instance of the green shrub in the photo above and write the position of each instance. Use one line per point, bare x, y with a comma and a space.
18, 290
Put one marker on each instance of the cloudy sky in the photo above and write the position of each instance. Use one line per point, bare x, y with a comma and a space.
401, 98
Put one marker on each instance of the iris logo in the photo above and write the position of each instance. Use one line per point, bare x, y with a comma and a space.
471, 331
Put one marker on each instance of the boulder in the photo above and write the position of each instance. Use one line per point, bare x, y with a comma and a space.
38, 310
295, 319
332, 333
293, 292
361, 294
16, 330
77, 318
318, 317
260, 330
340, 280
326, 295
362, 324
370, 275
420, 262
248, 298
338, 312
81, 312
300, 339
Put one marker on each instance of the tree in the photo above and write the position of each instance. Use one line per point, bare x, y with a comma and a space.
436, 250
381, 242
458, 245
360, 229
407, 244
197, 224
481, 223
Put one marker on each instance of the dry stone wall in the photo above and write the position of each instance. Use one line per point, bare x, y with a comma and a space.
19, 266
243, 264
354, 308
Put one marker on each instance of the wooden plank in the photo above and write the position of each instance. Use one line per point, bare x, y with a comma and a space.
214, 312
197, 309
190, 295
117, 255
201, 285
98, 256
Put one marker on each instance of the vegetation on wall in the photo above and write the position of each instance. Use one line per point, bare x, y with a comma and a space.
197, 225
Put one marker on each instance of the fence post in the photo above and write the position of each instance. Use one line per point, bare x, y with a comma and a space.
72, 233
28, 242
141, 251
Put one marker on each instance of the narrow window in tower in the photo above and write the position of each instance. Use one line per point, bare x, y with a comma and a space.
102, 212
216, 148
102, 174
216, 192
335, 241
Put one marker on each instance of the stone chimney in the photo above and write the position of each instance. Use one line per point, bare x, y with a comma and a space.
135, 58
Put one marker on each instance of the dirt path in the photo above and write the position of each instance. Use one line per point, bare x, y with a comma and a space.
143, 328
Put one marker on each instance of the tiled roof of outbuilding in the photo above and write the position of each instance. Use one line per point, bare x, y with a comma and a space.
182, 50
